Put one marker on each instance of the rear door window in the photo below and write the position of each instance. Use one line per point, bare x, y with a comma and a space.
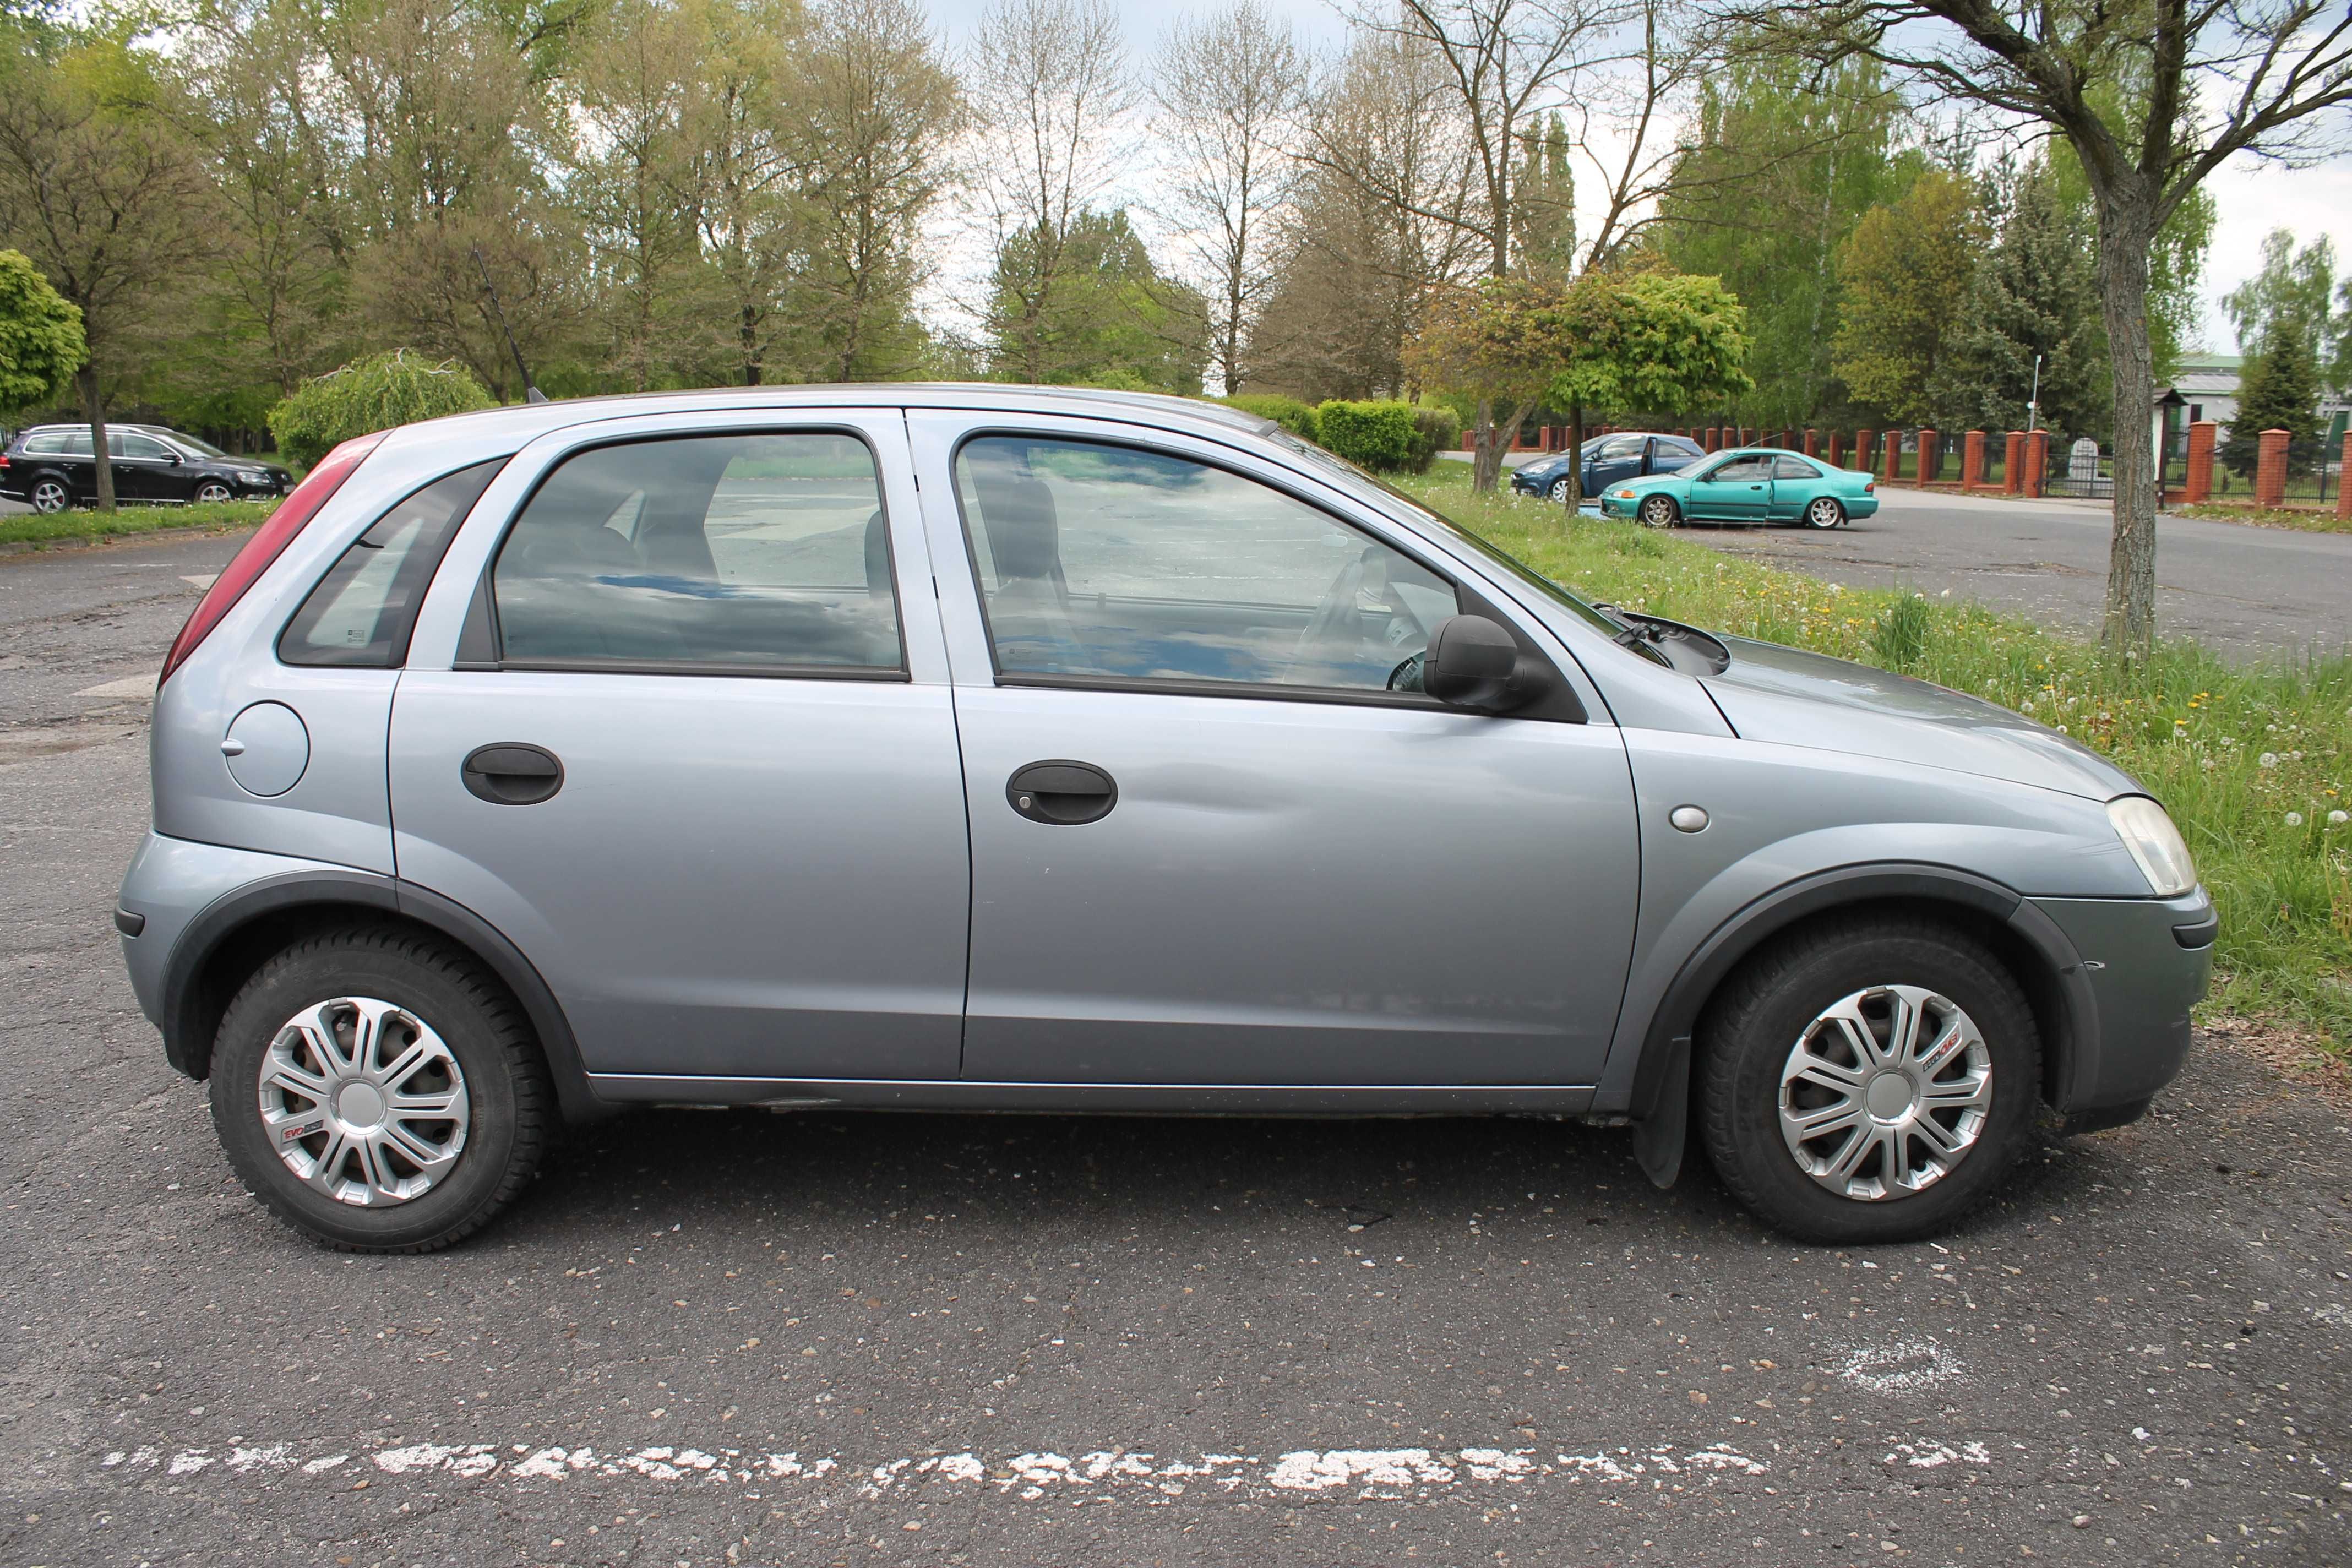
730, 555
362, 611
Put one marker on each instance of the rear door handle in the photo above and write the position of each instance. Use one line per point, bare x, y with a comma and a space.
512, 773
1062, 793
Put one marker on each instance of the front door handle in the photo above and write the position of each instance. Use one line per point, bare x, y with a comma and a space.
1062, 793
512, 773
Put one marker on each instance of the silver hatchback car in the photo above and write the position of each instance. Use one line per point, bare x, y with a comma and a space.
964, 747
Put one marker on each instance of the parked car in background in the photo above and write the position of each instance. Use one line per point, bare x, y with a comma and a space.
996, 748
51, 468
1607, 459
1760, 485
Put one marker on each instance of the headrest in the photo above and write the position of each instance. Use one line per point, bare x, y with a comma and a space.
1018, 513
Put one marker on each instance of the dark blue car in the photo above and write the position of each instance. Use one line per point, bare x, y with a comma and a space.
1607, 460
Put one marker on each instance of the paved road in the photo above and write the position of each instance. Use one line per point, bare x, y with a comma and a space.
712, 1338
2249, 593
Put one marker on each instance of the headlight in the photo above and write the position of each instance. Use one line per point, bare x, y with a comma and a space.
2154, 843
251, 477
1624, 495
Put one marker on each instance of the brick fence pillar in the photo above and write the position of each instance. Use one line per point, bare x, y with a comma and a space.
1813, 442
1830, 451
2198, 486
1893, 454
1708, 437
2343, 496
2037, 453
2270, 468
1861, 449
1972, 461
2013, 463
1931, 459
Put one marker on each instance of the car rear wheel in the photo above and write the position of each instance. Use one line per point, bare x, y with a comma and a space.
1558, 494
50, 496
1868, 1081
212, 491
379, 1092
1824, 512
1659, 512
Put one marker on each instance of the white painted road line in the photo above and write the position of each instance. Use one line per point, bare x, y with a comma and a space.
129, 686
1369, 1474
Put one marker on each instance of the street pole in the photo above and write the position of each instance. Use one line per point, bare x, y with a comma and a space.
2033, 404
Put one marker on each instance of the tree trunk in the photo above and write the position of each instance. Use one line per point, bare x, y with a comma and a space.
2126, 231
86, 378
1575, 459
1486, 453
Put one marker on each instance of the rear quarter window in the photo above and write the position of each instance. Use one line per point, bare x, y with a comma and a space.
362, 611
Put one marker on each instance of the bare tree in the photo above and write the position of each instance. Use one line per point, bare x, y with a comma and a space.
1231, 91
1649, 135
874, 107
2153, 97
1049, 83
1504, 60
1375, 226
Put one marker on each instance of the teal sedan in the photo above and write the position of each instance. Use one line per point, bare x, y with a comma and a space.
1760, 485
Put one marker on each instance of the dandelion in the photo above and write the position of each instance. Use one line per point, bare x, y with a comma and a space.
2337, 819
2268, 758
2294, 819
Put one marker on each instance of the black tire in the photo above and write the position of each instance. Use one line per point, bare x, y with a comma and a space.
511, 1100
1824, 512
1558, 493
51, 495
1755, 1021
212, 491
1659, 512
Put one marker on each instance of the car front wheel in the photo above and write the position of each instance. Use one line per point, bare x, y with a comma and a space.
378, 1091
1868, 1081
1824, 512
1659, 512
211, 492
1559, 492
50, 496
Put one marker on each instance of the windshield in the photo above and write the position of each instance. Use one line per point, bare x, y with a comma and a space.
202, 448
1351, 478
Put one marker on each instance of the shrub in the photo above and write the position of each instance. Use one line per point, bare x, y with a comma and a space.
375, 394
1375, 436
1434, 430
1298, 418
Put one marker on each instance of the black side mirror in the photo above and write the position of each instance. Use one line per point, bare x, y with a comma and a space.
1474, 663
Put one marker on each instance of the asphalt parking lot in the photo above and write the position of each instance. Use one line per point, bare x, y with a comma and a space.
710, 1338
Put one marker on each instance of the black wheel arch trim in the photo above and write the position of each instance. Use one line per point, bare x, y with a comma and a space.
1659, 1100
187, 1043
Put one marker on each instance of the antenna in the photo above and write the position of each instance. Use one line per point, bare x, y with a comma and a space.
530, 392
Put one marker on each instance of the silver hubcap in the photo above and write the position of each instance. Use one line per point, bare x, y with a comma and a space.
1824, 514
363, 1101
1657, 511
48, 495
1885, 1092
1559, 492
212, 493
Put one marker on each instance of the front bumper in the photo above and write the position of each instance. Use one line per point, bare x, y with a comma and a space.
1614, 505
2148, 961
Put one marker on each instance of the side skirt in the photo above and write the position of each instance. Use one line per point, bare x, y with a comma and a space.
1132, 1099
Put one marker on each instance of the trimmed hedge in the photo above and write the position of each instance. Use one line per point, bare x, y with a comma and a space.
1434, 430
1381, 436
1298, 418
374, 394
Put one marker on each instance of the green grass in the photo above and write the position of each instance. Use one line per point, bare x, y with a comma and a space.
2309, 518
2251, 763
82, 524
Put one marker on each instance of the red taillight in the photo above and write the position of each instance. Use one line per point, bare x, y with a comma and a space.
267, 543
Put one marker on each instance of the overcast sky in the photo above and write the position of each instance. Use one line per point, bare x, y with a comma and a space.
2251, 198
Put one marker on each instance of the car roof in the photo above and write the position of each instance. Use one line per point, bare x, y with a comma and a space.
530, 420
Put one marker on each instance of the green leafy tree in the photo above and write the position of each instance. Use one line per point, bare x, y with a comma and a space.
1787, 160
40, 335
373, 393
1500, 342
2295, 294
1906, 273
2280, 390
1110, 319
2034, 293
1545, 233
